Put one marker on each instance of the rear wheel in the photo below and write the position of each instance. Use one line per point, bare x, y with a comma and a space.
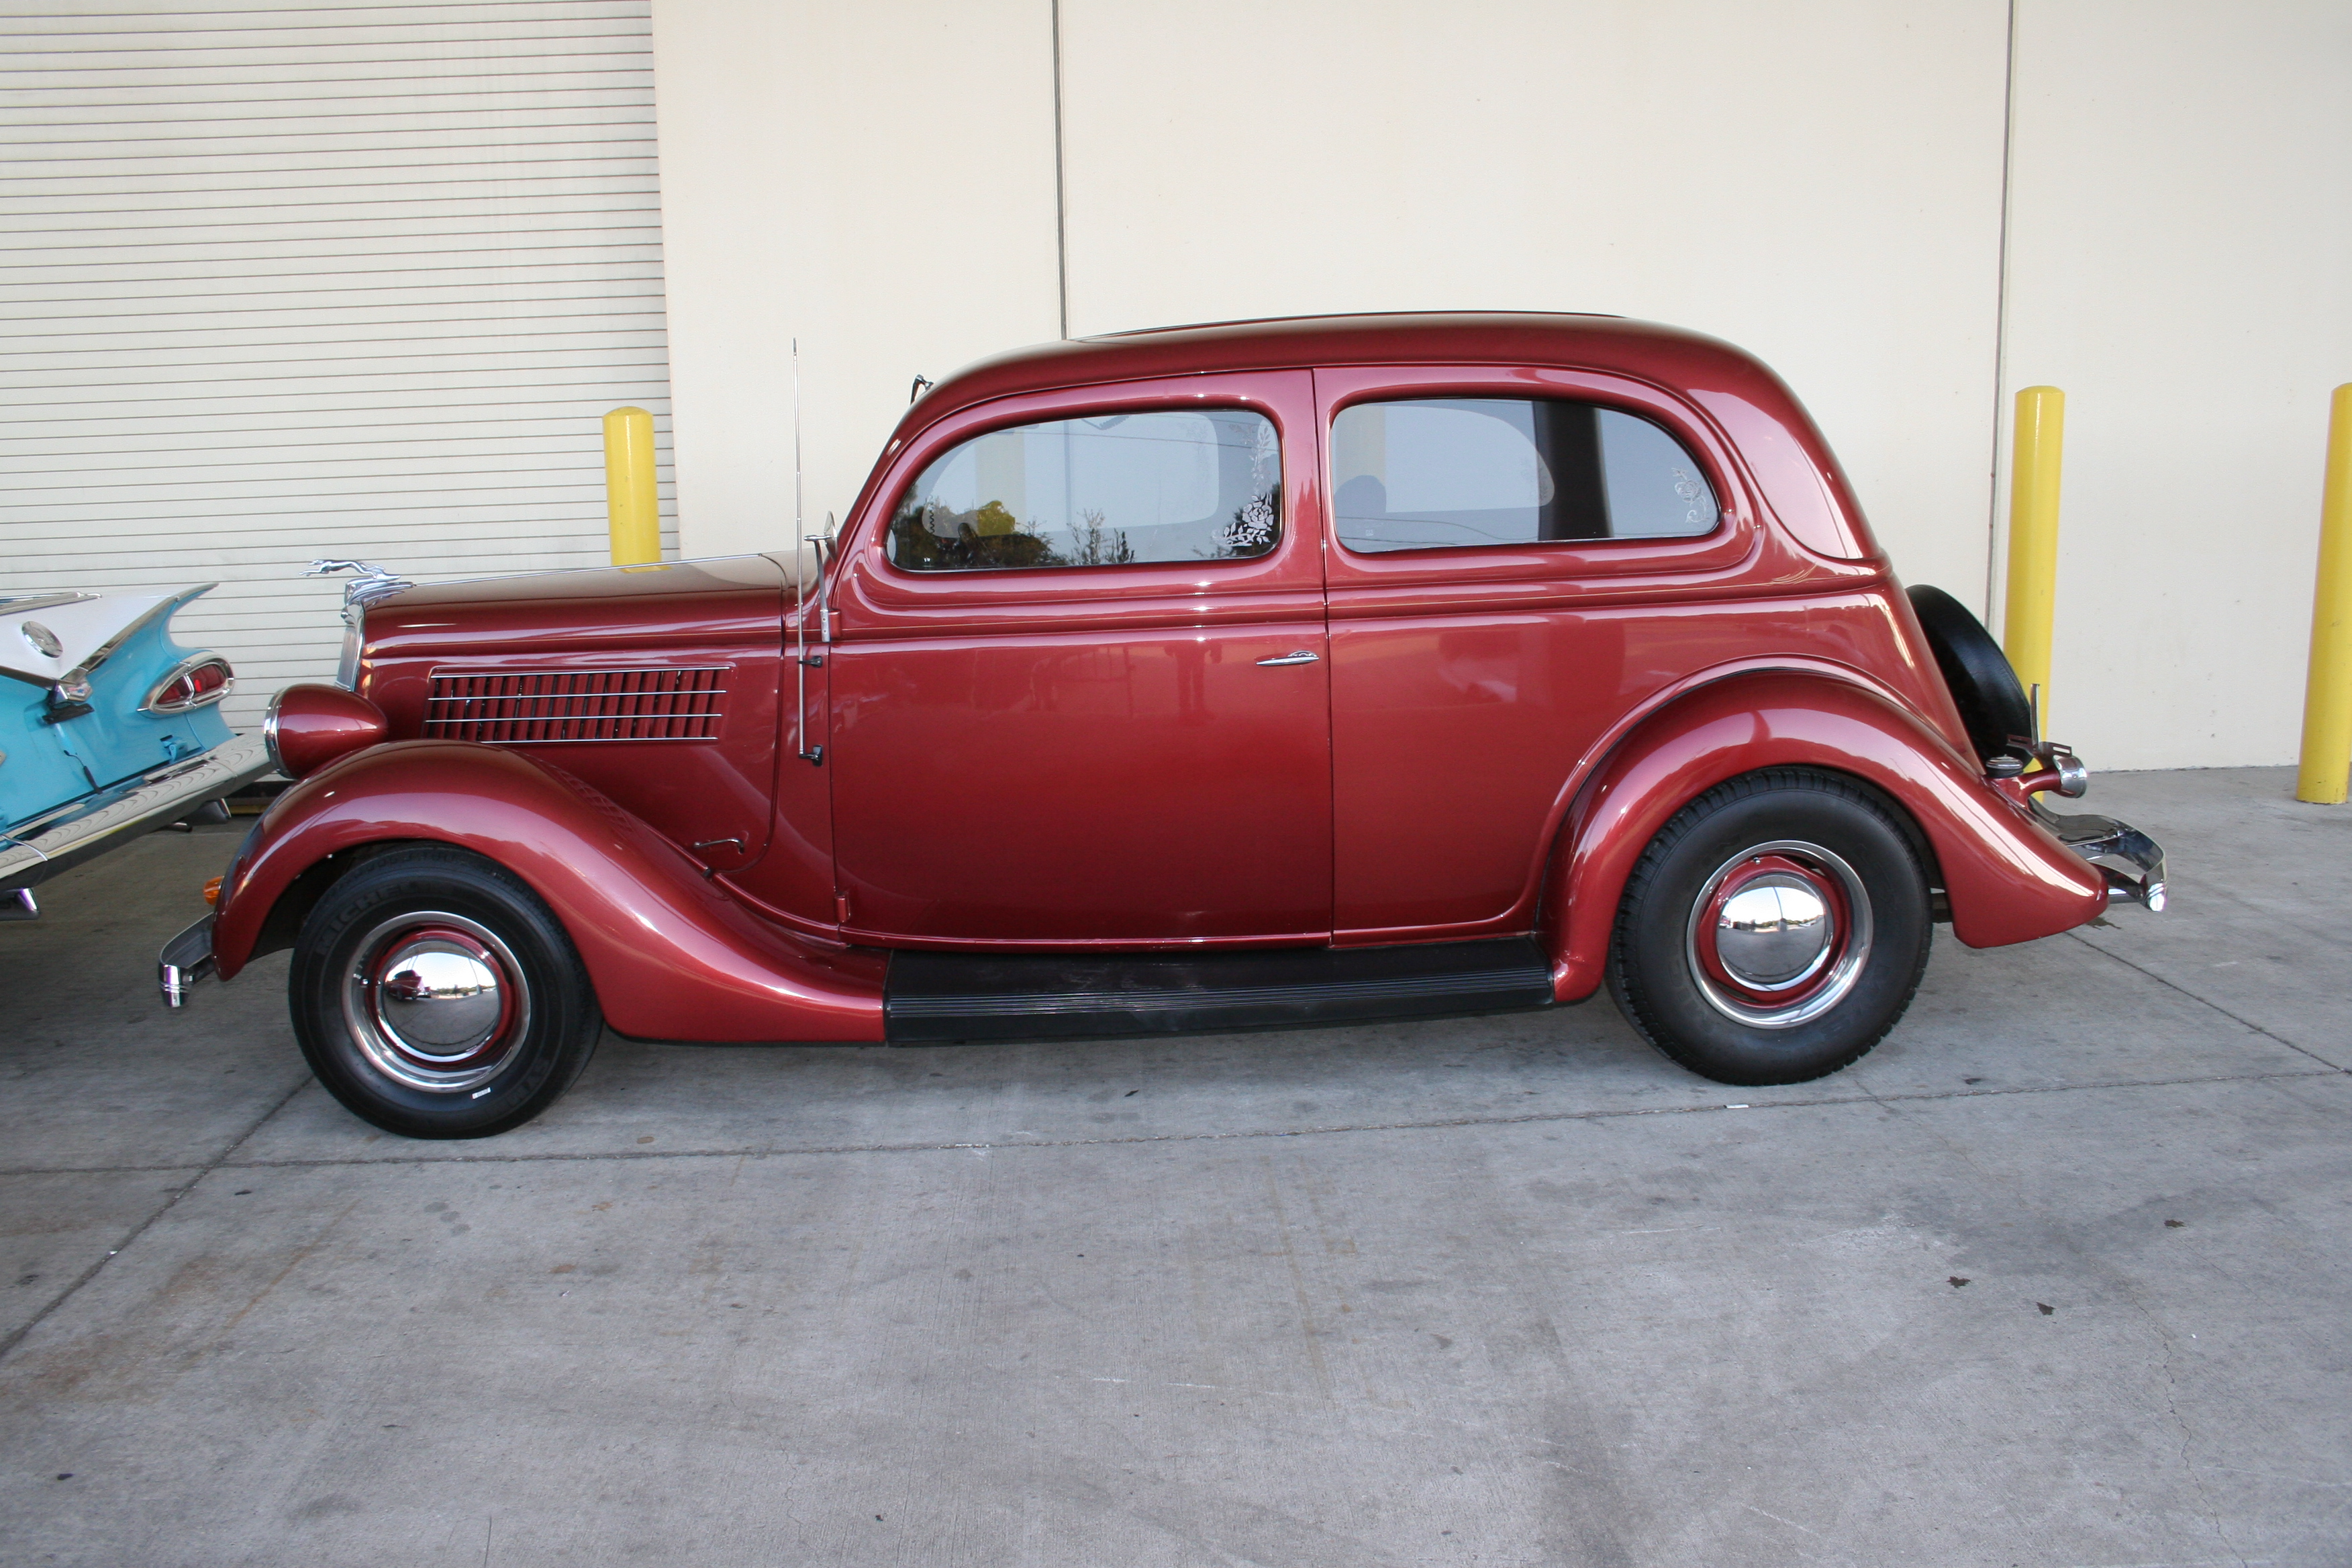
434, 996
1774, 930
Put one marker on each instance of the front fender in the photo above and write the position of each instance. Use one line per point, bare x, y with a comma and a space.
671, 957
2007, 878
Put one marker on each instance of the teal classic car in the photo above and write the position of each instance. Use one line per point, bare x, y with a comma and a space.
107, 730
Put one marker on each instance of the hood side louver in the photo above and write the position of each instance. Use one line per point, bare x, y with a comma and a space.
553, 707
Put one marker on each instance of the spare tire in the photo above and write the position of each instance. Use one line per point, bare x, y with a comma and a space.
1993, 704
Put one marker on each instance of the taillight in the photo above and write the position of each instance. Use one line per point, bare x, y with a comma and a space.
196, 684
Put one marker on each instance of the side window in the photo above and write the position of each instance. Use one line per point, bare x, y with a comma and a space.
1452, 471
1107, 490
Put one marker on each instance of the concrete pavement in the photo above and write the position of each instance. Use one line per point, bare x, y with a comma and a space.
2057, 1275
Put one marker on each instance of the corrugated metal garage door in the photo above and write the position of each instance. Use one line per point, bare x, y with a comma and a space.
299, 279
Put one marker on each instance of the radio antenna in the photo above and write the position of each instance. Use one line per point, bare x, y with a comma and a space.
799, 580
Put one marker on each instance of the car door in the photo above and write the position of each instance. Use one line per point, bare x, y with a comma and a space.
1078, 683
1518, 558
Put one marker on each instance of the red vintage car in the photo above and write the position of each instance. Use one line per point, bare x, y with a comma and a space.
1265, 673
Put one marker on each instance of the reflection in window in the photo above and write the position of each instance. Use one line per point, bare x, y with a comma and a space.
1455, 471
1107, 491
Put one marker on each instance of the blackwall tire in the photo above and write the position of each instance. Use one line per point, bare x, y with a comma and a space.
1984, 688
1774, 930
435, 996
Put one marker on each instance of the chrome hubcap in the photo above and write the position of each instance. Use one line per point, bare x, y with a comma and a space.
438, 999
1775, 933
1779, 934
435, 1001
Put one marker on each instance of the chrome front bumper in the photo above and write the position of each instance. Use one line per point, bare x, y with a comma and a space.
2131, 861
72, 833
186, 959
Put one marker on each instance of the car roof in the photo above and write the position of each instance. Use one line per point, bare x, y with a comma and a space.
1803, 484
1646, 349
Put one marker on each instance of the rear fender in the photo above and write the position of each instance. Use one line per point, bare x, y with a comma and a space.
671, 957
2007, 878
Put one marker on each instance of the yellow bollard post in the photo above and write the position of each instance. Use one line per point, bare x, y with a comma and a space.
629, 487
2033, 602
2327, 689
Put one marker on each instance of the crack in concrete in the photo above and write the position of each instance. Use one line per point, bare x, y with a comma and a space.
2208, 1002
2172, 1409
9, 1343
758, 1151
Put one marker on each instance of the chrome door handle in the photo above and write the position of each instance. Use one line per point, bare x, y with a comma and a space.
1301, 656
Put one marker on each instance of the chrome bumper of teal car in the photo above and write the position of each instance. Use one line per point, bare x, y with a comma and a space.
34, 851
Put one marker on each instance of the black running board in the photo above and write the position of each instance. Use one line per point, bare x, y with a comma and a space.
931, 997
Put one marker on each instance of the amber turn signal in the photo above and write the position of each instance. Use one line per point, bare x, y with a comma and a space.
212, 892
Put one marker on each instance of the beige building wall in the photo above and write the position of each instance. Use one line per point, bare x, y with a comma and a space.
2180, 262
876, 180
1821, 181
1817, 181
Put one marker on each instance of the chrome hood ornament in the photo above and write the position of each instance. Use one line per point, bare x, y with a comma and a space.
373, 583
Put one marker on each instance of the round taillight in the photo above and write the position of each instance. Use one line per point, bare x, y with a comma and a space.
196, 684
310, 725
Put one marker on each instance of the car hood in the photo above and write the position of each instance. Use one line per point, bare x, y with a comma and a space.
670, 603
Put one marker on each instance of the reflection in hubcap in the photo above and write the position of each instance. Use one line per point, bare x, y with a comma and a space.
1774, 931
435, 1001
438, 1001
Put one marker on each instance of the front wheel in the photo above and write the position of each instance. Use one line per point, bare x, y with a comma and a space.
436, 996
1774, 930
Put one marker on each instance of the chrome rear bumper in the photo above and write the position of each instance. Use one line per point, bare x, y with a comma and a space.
2131, 861
47, 844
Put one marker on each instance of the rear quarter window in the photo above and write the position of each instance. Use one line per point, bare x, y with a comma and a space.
1457, 472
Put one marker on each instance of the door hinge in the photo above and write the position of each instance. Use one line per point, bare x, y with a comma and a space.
841, 907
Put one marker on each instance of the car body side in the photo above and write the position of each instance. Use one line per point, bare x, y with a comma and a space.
1506, 727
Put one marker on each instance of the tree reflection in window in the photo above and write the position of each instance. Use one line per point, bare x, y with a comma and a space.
1112, 490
